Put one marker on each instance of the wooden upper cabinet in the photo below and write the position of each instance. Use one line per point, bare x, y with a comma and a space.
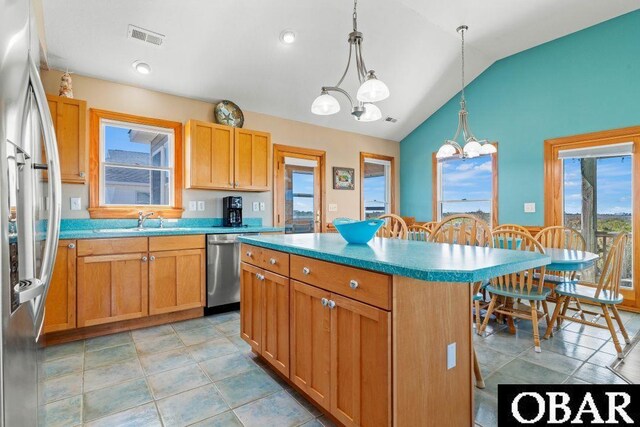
112, 288
252, 154
60, 307
225, 158
70, 122
176, 280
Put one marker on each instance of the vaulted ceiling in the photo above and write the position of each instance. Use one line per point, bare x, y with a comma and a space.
231, 49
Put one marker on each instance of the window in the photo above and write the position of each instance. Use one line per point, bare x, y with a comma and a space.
136, 165
466, 186
376, 185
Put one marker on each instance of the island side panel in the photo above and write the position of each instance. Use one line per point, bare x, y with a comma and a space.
426, 317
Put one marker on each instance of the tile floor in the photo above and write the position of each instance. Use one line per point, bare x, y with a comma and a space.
199, 372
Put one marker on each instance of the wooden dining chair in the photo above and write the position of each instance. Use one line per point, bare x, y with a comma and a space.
418, 233
521, 286
511, 227
605, 293
393, 228
431, 225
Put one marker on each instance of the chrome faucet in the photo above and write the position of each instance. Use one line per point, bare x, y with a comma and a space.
142, 217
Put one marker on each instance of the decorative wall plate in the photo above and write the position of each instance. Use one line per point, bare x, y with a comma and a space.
228, 113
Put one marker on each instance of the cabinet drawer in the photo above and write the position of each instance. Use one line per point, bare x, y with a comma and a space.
112, 246
361, 285
275, 261
173, 243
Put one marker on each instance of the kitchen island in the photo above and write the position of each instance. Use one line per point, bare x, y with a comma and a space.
377, 334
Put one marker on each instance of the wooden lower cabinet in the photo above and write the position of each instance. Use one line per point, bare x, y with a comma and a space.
275, 321
251, 306
60, 307
112, 288
176, 280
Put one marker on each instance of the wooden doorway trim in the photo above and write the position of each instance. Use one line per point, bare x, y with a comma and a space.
392, 180
279, 152
553, 194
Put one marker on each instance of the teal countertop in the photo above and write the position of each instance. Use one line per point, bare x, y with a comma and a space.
109, 228
436, 262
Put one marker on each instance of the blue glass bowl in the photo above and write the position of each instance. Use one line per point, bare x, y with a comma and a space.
358, 232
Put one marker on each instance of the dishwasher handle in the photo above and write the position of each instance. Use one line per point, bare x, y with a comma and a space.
223, 242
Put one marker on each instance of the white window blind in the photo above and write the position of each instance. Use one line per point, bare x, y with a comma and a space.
611, 150
295, 161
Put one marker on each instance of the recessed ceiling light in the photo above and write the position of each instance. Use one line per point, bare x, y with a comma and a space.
141, 67
288, 36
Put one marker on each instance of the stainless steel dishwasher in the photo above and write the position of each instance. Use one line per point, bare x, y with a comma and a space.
223, 269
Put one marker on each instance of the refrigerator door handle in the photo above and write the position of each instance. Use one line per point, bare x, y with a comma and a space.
55, 185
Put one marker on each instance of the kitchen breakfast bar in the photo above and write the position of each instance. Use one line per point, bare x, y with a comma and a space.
377, 334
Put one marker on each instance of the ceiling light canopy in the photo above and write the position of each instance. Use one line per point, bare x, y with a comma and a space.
287, 36
470, 146
141, 67
371, 89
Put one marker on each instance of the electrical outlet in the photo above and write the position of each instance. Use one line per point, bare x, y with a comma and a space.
451, 356
256, 206
193, 206
200, 205
262, 206
333, 207
76, 203
529, 207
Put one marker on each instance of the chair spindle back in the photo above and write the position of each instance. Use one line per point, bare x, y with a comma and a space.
522, 281
393, 228
463, 230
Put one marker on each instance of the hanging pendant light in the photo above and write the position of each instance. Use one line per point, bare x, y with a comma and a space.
471, 146
371, 88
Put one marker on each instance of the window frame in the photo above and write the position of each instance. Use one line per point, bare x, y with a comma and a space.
391, 183
436, 188
97, 208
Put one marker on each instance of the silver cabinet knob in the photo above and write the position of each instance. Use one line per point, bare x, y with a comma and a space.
259, 276
306, 271
152, 258
81, 174
237, 185
353, 284
324, 302
272, 261
72, 246
249, 254
331, 304
144, 259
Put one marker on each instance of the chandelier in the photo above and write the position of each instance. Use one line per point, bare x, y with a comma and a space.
471, 146
371, 89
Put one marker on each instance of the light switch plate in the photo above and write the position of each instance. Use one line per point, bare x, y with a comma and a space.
530, 207
333, 207
256, 206
193, 206
200, 205
76, 203
262, 206
451, 356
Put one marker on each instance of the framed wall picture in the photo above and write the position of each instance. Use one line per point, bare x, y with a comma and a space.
343, 178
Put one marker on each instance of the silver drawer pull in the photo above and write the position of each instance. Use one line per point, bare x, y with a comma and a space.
354, 284
331, 304
259, 276
144, 259
72, 246
306, 271
249, 254
324, 302
152, 258
272, 261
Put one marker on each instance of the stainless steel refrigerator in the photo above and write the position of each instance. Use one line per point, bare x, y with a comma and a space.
29, 211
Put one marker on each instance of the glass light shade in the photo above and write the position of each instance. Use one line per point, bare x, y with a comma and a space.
325, 105
472, 149
372, 90
488, 149
371, 113
447, 150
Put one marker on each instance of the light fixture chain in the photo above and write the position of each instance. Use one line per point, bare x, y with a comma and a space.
462, 32
355, 15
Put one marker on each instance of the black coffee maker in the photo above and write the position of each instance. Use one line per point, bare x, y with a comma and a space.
232, 211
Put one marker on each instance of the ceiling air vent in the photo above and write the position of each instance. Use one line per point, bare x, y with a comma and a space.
390, 119
145, 36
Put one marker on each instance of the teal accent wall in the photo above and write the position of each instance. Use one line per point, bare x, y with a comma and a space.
584, 82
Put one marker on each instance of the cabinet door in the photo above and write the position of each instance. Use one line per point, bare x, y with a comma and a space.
275, 321
251, 169
360, 363
112, 288
209, 155
251, 288
311, 342
60, 307
176, 280
70, 122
